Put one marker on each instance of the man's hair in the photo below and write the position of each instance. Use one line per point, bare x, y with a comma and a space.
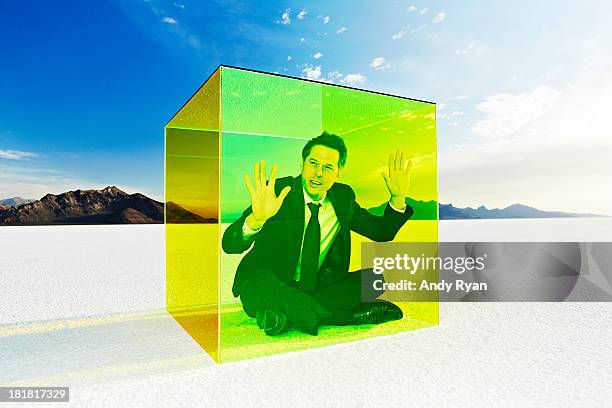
329, 140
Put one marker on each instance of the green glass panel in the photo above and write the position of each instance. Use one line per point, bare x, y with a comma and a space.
269, 105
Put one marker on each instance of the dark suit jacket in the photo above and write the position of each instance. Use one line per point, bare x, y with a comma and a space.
277, 245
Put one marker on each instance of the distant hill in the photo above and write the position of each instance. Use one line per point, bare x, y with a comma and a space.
448, 212
175, 214
423, 210
15, 201
107, 206
426, 210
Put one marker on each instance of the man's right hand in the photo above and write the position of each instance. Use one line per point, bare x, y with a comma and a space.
264, 202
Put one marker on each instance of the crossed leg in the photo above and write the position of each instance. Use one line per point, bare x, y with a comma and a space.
334, 304
265, 291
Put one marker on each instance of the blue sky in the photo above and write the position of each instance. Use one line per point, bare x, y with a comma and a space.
523, 88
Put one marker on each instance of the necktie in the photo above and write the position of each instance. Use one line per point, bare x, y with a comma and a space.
309, 266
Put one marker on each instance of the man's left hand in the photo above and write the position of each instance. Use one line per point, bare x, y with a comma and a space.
398, 179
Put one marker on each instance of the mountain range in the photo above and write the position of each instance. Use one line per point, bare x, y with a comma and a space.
114, 206
448, 212
107, 206
426, 210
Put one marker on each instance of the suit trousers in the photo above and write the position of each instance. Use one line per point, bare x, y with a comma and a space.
333, 304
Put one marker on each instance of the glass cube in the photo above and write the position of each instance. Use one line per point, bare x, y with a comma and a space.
239, 117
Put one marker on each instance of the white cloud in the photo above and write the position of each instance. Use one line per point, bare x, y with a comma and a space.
401, 33
317, 55
289, 58
340, 30
412, 31
310, 72
181, 32
302, 39
15, 154
302, 14
326, 19
35, 182
423, 11
285, 18
411, 9
506, 114
472, 47
378, 63
334, 76
461, 97
438, 18
353, 79
315, 73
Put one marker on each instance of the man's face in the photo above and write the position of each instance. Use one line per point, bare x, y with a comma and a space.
320, 170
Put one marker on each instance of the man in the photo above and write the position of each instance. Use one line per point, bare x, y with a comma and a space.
296, 275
